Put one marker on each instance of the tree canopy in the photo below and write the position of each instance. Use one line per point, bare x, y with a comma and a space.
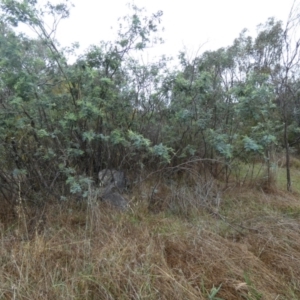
61, 122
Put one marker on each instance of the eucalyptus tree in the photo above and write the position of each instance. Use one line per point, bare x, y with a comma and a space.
287, 78
225, 100
264, 88
276, 53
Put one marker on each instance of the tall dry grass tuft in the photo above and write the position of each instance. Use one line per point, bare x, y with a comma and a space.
294, 161
267, 181
183, 191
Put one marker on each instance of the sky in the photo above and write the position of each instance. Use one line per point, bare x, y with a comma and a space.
188, 24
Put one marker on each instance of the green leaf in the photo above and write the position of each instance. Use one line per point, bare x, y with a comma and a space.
163, 152
89, 135
117, 137
251, 145
138, 141
42, 133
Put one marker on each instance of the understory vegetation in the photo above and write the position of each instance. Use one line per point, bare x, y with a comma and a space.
210, 149
245, 248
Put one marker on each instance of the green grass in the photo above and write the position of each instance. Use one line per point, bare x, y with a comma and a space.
281, 179
254, 173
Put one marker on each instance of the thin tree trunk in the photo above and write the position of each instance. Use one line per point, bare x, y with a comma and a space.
287, 155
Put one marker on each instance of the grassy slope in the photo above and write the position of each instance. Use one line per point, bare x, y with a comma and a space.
251, 248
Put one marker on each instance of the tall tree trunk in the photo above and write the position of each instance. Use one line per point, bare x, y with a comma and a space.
287, 155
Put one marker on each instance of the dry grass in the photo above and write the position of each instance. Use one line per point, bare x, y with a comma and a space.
251, 247
294, 161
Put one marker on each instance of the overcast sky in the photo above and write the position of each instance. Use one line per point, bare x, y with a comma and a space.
188, 23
